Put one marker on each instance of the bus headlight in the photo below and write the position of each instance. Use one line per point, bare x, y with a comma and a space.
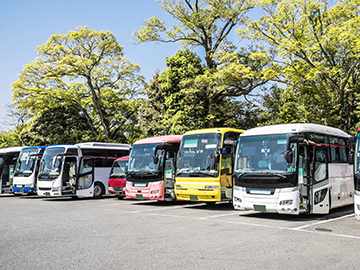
211, 187
155, 183
111, 188
154, 192
178, 186
286, 202
236, 199
29, 185
56, 189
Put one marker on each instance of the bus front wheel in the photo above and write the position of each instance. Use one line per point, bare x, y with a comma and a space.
98, 190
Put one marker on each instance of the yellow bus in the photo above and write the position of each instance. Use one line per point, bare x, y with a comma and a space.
205, 165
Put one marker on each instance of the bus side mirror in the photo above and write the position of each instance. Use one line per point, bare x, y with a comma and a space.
27, 160
290, 140
289, 156
217, 156
155, 159
351, 150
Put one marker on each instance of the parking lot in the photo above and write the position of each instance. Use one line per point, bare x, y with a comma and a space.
47, 233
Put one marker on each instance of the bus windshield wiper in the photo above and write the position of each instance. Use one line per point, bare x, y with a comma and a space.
277, 174
204, 173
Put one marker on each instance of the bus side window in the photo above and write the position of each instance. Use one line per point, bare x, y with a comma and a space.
320, 169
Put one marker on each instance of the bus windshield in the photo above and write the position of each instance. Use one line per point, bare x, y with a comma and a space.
141, 158
119, 169
46, 165
262, 153
197, 152
26, 161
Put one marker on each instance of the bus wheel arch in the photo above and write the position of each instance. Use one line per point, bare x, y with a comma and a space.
99, 190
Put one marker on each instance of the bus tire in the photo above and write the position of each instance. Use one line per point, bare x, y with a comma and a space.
120, 197
98, 190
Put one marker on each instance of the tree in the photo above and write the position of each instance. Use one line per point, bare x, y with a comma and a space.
313, 47
86, 69
58, 125
204, 23
14, 117
175, 100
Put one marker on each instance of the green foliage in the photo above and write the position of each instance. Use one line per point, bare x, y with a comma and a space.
12, 138
204, 23
86, 69
59, 125
312, 46
175, 101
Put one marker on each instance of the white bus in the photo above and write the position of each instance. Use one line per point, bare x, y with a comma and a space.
8, 157
80, 170
26, 170
293, 169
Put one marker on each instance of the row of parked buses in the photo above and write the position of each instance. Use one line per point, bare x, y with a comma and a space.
288, 169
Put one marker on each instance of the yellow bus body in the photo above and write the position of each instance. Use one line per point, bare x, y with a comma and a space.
208, 189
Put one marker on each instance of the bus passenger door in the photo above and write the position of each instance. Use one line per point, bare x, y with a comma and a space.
68, 181
85, 178
169, 179
226, 178
304, 179
320, 182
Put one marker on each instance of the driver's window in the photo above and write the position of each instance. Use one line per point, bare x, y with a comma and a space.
320, 168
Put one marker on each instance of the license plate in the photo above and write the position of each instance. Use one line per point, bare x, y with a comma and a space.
139, 196
21, 190
117, 192
193, 198
47, 194
260, 208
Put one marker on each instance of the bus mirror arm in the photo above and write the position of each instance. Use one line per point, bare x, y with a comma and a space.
292, 139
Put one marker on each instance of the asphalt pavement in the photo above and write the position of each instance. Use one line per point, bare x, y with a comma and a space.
107, 233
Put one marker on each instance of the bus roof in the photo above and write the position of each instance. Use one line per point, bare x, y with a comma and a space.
102, 145
34, 147
11, 149
213, 130
160, 139
295, 129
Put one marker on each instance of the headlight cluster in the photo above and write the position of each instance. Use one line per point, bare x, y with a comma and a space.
29, 185
111, 188
236, 199
286, 202
178, 186
155, 183
154, 192
56, 189
358, 206
211, 187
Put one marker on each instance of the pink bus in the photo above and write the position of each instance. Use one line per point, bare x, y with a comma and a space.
151, 168
117, 178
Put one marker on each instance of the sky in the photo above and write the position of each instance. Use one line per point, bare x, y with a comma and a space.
26, 24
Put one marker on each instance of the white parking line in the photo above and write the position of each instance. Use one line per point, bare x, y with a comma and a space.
322, 221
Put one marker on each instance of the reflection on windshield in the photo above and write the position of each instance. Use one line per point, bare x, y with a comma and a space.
262, 153
197, 154
119, 169
46, 165
141, 158
26, 161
